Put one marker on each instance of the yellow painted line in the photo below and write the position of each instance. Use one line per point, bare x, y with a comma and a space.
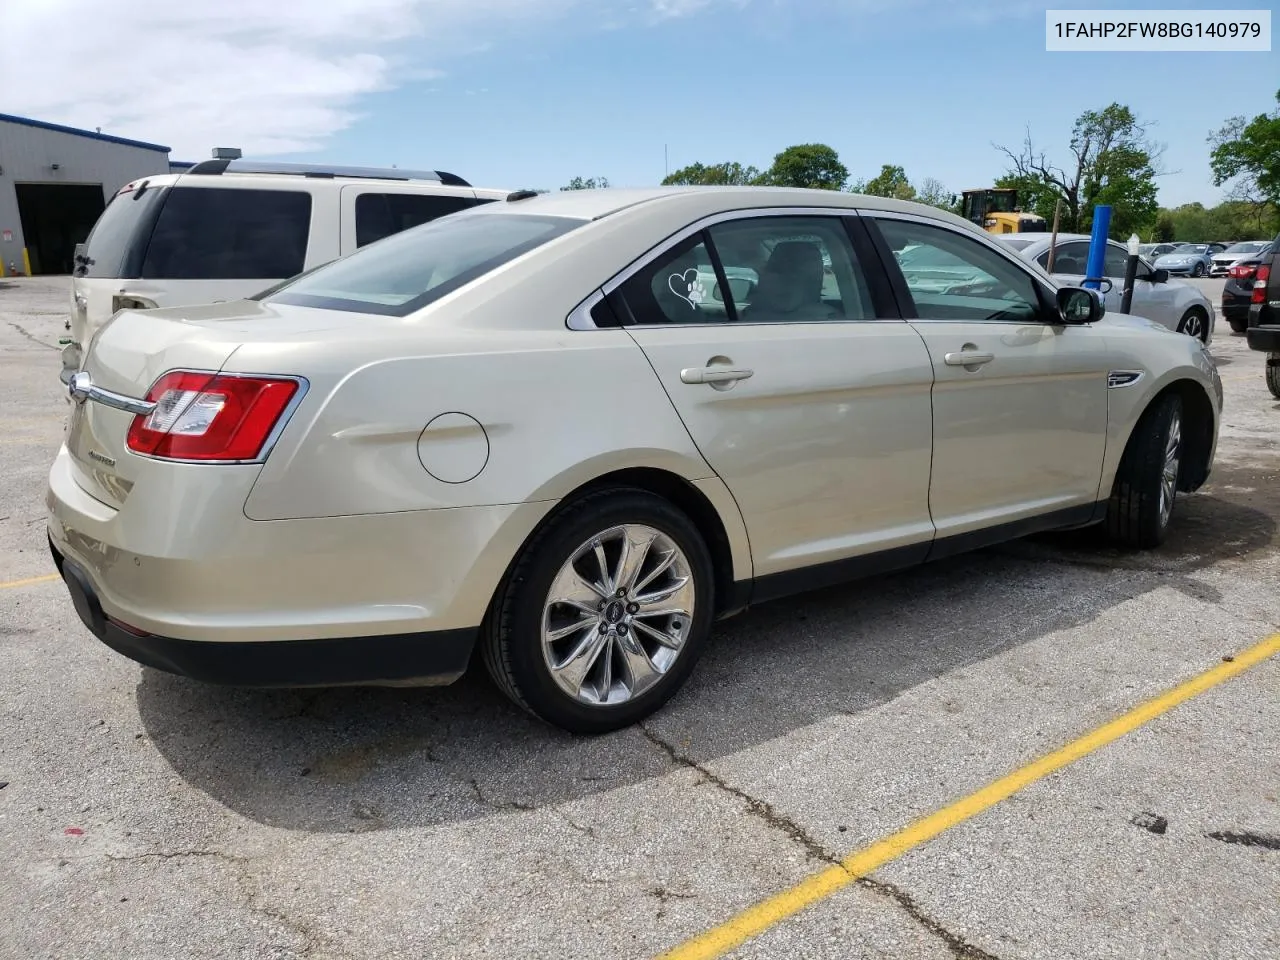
30, 581
756, 920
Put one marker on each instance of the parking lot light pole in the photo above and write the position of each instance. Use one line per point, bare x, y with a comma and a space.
1098, 247
1130, 274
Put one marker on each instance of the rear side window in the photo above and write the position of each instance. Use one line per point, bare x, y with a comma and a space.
409, 270
227, 234
380, 215
115, 246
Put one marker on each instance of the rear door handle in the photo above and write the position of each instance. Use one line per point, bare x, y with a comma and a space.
714, 374
968, 358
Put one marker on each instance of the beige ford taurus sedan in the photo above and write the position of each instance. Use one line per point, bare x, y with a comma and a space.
568, 432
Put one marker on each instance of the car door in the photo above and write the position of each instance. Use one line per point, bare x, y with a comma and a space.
779, 349
1019, 399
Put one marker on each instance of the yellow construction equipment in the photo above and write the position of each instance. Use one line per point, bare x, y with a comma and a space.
996, 210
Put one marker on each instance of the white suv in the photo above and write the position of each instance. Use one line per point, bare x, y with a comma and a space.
228, 229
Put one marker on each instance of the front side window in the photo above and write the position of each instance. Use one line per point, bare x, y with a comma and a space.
1115, 261
221, 233
380, 215
753, 270
954, 277
409, 270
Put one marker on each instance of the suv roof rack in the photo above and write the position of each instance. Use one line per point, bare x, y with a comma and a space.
323, 171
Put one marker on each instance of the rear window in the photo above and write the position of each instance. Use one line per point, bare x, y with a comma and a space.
117, 242
227, 234
380, 215
409, 270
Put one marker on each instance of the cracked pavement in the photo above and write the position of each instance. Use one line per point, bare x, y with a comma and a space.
215, 823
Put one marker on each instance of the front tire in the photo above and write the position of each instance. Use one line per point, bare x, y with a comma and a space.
1146, 483
1195, 323
1198, 271
604, 614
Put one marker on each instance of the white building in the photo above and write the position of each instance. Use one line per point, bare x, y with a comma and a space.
54, 182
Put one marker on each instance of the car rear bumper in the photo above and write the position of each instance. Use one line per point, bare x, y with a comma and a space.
429, 658
178, 570
1265, 339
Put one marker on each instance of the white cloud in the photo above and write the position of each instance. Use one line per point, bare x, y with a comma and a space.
269, 77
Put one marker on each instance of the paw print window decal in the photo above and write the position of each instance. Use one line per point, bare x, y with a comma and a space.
688, 287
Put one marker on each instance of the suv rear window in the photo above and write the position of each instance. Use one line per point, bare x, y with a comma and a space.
115, 245
409, 270
215, 233
379, 215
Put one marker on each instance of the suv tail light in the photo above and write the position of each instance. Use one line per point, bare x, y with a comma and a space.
1242, 273
211, 417
1260, 283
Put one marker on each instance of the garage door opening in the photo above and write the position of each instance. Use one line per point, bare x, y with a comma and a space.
55, 217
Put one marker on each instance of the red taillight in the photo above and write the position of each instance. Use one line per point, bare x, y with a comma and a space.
1241, 273
205, 416
1260, 283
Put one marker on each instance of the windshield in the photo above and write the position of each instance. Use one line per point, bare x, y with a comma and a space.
1190, 250
1244, 249
406, 271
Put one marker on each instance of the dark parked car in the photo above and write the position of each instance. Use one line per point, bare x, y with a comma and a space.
1264, 315
1238, 290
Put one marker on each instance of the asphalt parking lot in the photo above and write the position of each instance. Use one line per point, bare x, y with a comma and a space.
146, 816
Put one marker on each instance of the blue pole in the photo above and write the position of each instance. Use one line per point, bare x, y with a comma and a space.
1098, 247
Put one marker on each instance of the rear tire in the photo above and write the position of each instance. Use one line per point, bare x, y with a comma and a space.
1239, 326
1145, 488
1195, 323
1273, 374
603, 660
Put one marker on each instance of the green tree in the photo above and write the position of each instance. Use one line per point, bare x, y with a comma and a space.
1165, 229
807, 165
1112, 160
728, 174
935, 194
589, 183
890, 182
1125, 179
1248, 152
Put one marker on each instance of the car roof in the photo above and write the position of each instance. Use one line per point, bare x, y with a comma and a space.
597, 204
237, 180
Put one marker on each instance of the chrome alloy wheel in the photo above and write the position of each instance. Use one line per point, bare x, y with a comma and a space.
1193, 326
1169, 475
617, 615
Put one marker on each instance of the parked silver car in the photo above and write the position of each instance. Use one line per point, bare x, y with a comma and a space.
1223, 261
1190, 259
1171, 303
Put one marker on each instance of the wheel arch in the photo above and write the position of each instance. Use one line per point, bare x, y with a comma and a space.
1199, 432
707, 503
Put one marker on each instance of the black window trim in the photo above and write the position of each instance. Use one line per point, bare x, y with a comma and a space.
1045, 291
580, 317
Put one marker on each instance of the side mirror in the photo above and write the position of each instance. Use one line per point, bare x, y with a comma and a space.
1159, 275
1078, 305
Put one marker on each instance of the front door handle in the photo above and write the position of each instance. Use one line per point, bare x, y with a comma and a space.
968, 358
714, 374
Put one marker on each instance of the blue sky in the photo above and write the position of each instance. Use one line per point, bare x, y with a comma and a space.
529, 93
926, 88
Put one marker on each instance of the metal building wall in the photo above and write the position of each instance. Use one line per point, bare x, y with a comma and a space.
27, 155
